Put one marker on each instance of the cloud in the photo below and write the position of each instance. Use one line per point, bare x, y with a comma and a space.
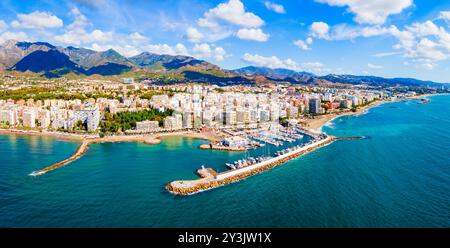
78, 37
205, 51
255, 34
37, 19
319, 30
125, 50
193, 35
80, 20
272, 62
232, 12
278, 8
445, 15
424, 43
19, 36
315, 67
137, 38
76, 34
180, 49
304, 45
373, 66
371, 12
226, 19
3, 26
380, 55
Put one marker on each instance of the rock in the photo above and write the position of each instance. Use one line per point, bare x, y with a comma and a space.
152, 141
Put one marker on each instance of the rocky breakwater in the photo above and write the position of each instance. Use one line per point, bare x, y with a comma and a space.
195, 186
152, 141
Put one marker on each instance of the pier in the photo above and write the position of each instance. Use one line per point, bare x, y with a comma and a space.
188, 187
78, 153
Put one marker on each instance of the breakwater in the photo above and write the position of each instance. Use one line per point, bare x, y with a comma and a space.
78, 153
188, 187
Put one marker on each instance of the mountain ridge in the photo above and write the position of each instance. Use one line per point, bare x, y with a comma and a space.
57, 61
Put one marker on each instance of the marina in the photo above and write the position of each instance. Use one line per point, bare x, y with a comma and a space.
244, 168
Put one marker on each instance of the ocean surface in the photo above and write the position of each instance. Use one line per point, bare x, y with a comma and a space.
398, 177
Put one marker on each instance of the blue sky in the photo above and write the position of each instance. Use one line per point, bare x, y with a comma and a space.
391, 38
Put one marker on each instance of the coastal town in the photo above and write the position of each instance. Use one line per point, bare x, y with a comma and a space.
234, 118
88, 105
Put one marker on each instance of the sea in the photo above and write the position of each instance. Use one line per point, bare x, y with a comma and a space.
398, 176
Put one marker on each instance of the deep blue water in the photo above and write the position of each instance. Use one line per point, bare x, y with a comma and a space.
398, 177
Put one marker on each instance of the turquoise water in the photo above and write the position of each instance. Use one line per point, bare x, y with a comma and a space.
398, 177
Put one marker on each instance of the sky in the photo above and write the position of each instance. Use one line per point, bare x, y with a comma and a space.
389, 38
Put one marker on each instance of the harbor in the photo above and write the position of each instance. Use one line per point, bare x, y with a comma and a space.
247, 167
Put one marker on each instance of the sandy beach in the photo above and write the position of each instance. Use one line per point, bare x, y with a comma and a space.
318, 122
56, 135
118, 138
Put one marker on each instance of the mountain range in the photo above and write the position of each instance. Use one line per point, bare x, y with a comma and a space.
55, 61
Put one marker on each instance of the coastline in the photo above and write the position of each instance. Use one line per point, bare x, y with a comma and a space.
318, 123
118, 138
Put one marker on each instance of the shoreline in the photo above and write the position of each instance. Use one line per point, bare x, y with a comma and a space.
318, 123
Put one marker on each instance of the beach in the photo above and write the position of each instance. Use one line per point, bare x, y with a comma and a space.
318, 122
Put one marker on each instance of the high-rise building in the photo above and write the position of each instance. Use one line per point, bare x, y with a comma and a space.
314, 106
188, 119
8, 116
29, 118
44, 118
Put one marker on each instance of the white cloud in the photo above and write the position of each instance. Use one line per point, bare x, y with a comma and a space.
386, 54
232, 12
428, 66
137, 38
37, 19
19, 36
304, 44
255, 34
319, 30
272, 62
125, 50
76, 33
219, 54
205, 51
427, 50
193, 35
80, 21
445, 15
3, 26
180, 49
371, 12
278, 8
160, 49
78, 37
373, 66
315, 67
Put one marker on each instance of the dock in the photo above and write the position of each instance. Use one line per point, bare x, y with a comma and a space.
189, 187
